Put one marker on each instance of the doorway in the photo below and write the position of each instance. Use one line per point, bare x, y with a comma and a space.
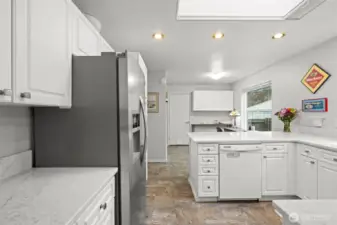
179, 118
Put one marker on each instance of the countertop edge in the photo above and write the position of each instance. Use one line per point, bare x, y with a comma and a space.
295, 141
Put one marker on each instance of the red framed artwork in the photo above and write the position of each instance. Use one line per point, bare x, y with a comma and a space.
315, 78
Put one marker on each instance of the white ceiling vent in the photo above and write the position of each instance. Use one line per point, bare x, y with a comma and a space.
245, 9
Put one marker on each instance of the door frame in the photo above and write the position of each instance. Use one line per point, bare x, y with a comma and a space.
168, 113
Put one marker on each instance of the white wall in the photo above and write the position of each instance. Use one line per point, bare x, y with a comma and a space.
157, 122
288, 91
15, 130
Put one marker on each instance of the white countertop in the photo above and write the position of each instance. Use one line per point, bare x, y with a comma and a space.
50, 196
263, 137
308, 210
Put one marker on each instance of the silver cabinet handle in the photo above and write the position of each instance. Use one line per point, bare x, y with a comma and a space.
274, 148
6, 92
208, 187
208, 149
103, 206
265, 157
208, 171
312, 162
26, 95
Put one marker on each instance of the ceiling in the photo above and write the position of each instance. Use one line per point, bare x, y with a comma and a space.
188, 51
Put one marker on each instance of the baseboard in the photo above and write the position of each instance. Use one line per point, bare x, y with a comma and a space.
272, 197
157, 160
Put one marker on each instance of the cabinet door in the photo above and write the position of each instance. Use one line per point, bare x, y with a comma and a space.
307, 178
327, 180
5, 50
274, 174
42, 52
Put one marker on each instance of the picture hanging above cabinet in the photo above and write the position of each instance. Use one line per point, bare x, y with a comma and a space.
213, 101
315, 78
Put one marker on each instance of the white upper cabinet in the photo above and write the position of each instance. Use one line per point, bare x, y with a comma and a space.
212, 100
105, 47
86, 39
42, 62
5, 51
274, 174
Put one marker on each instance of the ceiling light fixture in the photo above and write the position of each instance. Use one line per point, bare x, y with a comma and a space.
279, 35
158, 36
218, 35
217, 76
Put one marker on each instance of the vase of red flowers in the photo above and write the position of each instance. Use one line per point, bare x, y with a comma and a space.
287, 115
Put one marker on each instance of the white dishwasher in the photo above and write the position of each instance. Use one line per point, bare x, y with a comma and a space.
240, 172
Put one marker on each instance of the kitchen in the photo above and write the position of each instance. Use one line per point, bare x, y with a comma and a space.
79, 144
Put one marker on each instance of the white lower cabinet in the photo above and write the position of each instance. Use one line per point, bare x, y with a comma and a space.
208, 186
327, 180
101, 210
307, 177
274, 174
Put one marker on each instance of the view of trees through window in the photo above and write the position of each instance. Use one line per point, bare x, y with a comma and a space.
259, 108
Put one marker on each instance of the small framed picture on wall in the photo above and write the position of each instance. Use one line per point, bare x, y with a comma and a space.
153, 102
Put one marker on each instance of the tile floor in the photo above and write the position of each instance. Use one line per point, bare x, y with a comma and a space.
170, 199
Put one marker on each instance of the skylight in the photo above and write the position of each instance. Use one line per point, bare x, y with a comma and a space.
244, 9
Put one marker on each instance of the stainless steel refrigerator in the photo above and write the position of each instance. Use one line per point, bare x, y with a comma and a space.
106, 127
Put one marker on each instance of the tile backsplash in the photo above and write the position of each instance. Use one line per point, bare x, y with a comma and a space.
15, 164
15, 130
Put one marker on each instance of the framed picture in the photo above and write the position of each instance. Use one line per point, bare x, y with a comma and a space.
315, 105
315, 78
153, 102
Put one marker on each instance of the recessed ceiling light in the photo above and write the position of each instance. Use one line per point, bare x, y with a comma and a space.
158, 36
218, 35
279, 35
217, 76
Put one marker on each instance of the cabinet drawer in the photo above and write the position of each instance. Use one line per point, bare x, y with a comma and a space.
309, 151
208, 186
270, 148
208, 149
208, 170
208, 160
99, 206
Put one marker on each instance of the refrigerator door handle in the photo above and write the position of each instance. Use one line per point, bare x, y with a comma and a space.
142, 154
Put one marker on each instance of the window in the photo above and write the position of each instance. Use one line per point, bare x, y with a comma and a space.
257, 108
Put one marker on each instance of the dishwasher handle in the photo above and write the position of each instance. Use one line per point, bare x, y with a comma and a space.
222, 151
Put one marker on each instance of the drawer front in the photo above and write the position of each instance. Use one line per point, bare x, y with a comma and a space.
208, 149
329, 157
208, 186
95, 211
309, 151
208, 170
208, 160
270, 148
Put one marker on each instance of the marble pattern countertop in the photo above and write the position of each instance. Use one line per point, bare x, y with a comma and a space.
307, 211
50, 196
263, 137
